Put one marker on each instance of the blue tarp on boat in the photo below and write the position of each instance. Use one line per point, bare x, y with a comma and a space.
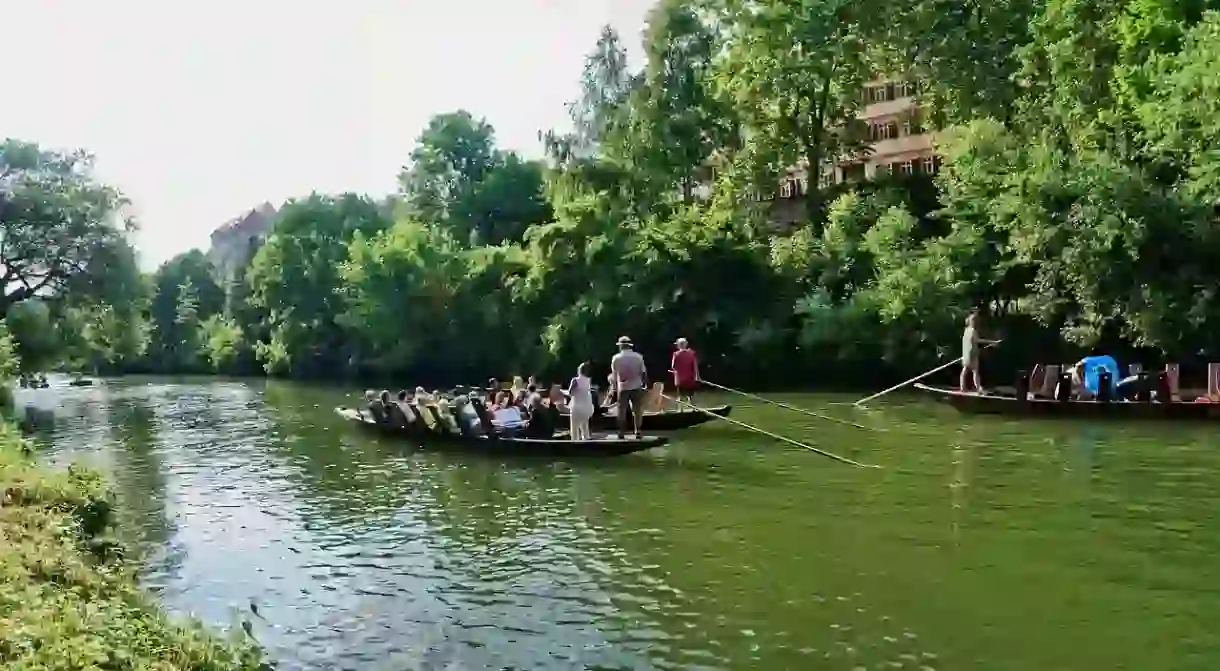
1093, 366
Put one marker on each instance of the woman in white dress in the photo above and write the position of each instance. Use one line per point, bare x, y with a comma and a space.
580, 403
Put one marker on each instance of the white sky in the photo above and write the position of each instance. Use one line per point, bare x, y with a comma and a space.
201, 110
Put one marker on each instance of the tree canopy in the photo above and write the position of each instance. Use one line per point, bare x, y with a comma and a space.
1075, 201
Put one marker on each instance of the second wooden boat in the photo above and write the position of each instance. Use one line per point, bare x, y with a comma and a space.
1001, 404
664, 420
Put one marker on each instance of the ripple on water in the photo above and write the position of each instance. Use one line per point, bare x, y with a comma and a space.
975, 543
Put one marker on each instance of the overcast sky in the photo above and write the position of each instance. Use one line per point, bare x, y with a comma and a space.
200, 111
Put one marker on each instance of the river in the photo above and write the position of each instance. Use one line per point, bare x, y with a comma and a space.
980, 544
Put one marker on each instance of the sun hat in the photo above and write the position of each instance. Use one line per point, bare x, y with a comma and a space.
624, 340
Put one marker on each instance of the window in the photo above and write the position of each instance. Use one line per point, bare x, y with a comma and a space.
883, 170
828, 178
891, 91
929, 165
891, 129
907, 167
785, 189
909, 89
907, 127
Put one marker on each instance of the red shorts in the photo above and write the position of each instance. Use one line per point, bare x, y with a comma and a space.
687, 386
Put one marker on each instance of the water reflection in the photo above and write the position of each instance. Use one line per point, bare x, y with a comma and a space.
1055, 546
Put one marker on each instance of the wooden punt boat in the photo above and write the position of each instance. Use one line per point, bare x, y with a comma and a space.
664, 420
1000, 404
599, 446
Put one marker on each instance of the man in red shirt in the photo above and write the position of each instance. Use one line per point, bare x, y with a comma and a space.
685, 367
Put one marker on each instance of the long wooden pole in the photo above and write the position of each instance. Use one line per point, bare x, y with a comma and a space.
917, 378
789, 407
768, 434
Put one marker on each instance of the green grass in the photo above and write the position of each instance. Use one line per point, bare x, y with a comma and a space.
68, 600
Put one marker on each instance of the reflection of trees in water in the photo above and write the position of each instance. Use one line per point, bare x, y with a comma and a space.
467, 498
139, 477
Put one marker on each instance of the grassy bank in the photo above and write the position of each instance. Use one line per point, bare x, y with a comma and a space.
67, 599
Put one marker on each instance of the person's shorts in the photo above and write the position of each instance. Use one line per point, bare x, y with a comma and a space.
687, 388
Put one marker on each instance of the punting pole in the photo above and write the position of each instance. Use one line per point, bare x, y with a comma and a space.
776, 436
790, 407
917, 378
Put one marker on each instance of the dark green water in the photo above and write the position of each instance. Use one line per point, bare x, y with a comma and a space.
981, 544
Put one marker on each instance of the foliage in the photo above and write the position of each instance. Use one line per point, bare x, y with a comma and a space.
57, 222
67, 600
1075, 204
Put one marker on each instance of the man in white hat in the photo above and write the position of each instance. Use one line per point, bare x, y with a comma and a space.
629, 379
685, 367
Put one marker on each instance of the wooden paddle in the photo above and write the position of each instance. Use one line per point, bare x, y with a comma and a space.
917, 378
790, 407
775, 436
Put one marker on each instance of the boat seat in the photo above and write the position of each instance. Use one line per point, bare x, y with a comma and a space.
655, 398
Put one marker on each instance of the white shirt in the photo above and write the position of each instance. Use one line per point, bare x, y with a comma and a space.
969, 342
507, 416
582, 393
628, 368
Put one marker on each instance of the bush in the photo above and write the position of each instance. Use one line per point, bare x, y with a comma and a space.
67, 599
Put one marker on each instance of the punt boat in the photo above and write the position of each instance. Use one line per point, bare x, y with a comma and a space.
663, 420
1010, 404
505, 443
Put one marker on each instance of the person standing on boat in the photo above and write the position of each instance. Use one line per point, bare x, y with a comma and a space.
970, 355
685, 367
629, 381
580, 402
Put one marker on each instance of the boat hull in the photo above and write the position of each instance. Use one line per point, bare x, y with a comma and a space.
1042, 407
666, 420
600, 446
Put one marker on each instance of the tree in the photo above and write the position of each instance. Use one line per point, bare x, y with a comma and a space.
459, 179
175, 341
56, 220
295, 278
795, 71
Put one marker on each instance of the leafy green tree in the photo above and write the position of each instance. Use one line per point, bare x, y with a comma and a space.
188, 277
458, 178
295, 278
57, 222
34, 335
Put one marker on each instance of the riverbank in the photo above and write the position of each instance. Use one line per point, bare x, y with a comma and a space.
67, 600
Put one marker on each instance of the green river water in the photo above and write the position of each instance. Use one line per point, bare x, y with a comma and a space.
980, 544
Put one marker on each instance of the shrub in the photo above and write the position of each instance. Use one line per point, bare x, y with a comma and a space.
67, 599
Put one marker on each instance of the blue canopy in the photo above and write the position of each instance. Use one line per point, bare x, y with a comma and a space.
1093, 366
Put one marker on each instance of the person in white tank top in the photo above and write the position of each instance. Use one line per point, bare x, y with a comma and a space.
580, 403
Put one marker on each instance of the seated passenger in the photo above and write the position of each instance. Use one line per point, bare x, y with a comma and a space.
375, 407
468, 417
507, 416
543, 422
400, 413
557, 398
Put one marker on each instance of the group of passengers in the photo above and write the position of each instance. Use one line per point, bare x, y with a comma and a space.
527, 411
534, 413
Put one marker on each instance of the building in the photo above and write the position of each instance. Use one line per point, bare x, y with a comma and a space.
899, 145
234, 243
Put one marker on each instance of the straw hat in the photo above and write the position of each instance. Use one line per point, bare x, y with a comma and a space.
624, 341
680, 342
